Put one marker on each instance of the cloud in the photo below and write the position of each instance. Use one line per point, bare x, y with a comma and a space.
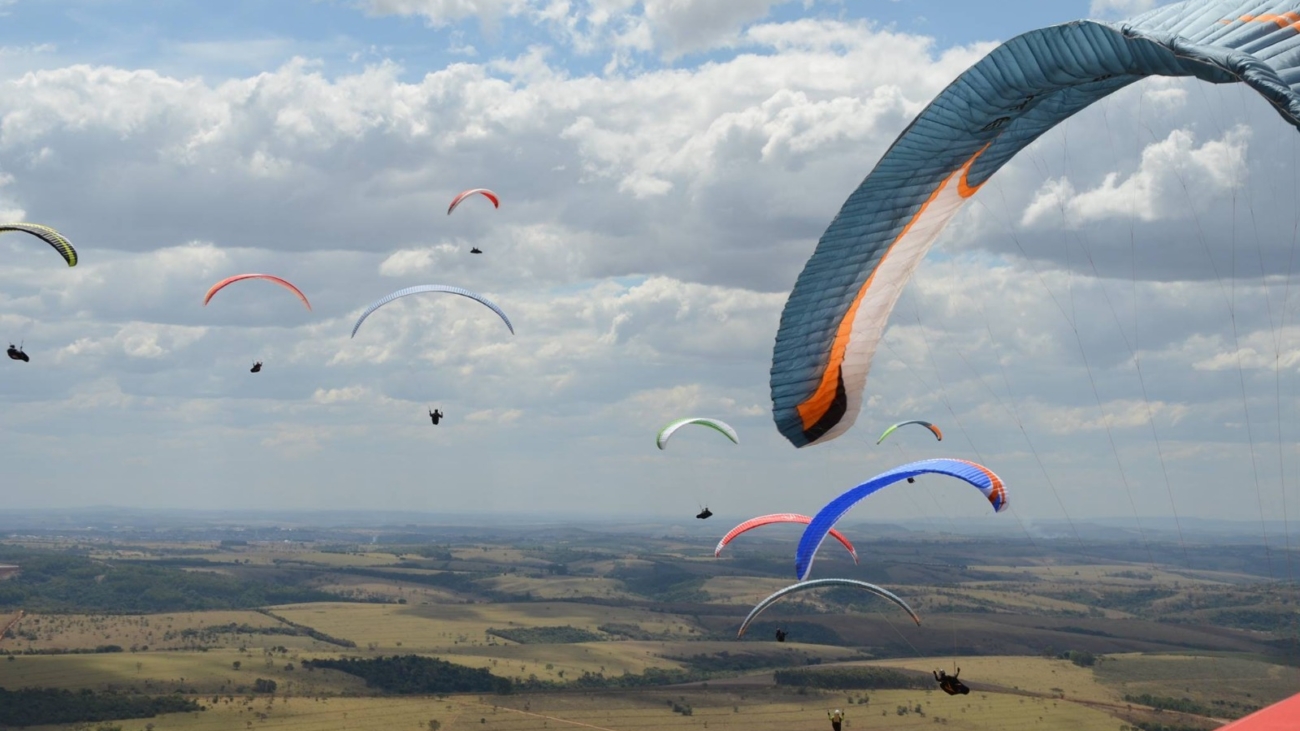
652, 222
664, 404
442, 12
494, 416
596, 167
1121, 8
341, 395
294, 441
250, 52
1118, 414
1258, 350
416, 261
695, 25
1170, 171
137, 340
8, 210
674, 27
31, 49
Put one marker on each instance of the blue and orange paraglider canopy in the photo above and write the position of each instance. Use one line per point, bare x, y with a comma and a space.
976, 475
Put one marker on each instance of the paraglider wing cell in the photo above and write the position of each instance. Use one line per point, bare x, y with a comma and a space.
933, 429
496, 201
817, 584
974, 474
49, 236
241, 277
841, 302
722, 427
763, 520
431, 288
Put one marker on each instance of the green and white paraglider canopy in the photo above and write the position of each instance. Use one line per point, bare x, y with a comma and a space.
718, 425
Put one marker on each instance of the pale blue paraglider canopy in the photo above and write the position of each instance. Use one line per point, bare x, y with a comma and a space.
818, 584
430, 288
977, 475
837, 312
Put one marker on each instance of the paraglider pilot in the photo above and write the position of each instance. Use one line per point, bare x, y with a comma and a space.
837, 719
435, 416
475, 250
17, 353
780, 635
950, 684
257, 367
705, 513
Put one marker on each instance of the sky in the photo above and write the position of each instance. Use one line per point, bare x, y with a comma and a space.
1108, 324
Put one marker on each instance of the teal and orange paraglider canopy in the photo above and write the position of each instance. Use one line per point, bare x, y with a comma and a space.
840, 304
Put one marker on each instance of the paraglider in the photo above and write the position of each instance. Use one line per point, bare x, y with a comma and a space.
763, 520
475, 250
717, 425
976, 475
257, 367
496, 202
435, 415
837, 312
241, 277
431, 288
49, 236
933, 429
17, 353
819, 584
949, 683
721, 427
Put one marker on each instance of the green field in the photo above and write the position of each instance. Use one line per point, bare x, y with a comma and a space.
639, 712
1202, 679
156, 631
443, 627
166, 672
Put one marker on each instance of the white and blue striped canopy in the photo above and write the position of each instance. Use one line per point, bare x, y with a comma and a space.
430, 288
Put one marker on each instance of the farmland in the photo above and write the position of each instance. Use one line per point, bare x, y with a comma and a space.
636, 631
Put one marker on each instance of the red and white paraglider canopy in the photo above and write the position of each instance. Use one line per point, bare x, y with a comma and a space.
496, 201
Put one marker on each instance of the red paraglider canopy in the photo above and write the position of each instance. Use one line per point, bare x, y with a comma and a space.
270, 277
763, 520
